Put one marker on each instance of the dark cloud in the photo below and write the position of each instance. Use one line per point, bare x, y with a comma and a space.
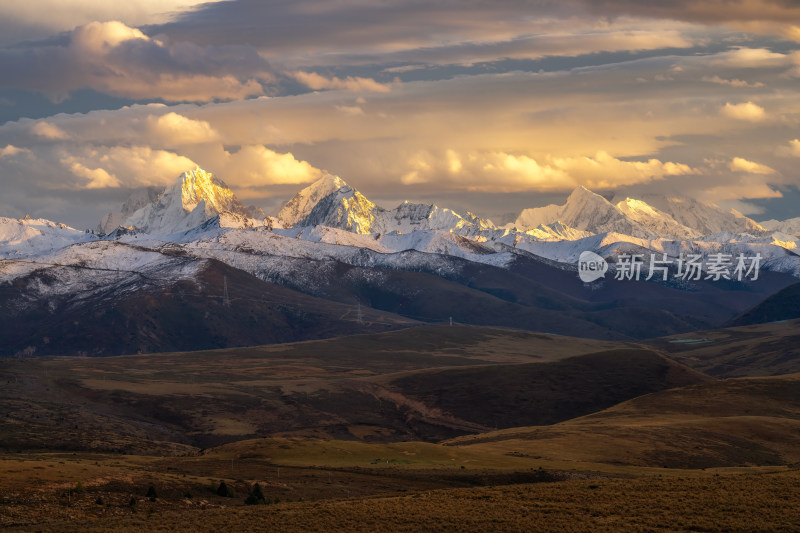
366, 26
703, 11
317, 28
115, 59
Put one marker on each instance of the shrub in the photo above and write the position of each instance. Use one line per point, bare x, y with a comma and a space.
224, 491
256, 496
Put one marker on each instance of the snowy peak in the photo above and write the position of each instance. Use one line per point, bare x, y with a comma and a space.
703, 218
654, 221
408, 217
195, 197
647, 217
331, 202
302, 203
582, 195
557, 231
347, 209
32, 236
789, 227
137, 200
583, 210
200, 186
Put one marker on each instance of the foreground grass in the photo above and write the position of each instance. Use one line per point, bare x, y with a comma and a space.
732, 502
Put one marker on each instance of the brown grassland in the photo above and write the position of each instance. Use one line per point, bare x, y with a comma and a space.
393, 432
39, 494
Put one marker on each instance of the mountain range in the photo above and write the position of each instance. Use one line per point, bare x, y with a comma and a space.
331, 261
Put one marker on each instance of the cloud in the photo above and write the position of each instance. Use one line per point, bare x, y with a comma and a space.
732, 83
490, 138
128, 166
745, 208
777, 17
10, 150
255, 166
351, 83
42, 18
739, 164
745, 188
505, 172
352, 110
175, 129
792, 149
314, 34
751, 58
744, 111
122, 61
97, 178
99, 38
47, 130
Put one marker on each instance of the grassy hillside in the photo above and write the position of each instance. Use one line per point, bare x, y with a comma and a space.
528, 394
335, 388
737, 422
758, 350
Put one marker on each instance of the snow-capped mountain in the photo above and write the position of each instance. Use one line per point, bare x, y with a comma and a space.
301, 204
556, 232
137, 200
787, 227
27, 236
345, 208
408, 217
587, 211
194, 198
705, 219
178, 246
331, 202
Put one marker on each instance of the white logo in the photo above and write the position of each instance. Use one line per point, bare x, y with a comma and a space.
591, 267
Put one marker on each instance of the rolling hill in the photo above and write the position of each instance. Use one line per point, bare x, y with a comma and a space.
733, 422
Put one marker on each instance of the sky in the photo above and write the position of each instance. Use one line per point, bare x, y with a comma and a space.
490, 106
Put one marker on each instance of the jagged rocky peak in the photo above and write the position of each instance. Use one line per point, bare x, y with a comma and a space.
649, 216
138, 199
410, 216
582, 194
789, 227
198, 185
348, 209
195, 197
331, 202
584, 210
302, 203
703, 218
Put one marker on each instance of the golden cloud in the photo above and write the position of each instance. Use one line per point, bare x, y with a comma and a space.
175, 129
351, 83
745, 111
505, 172
739, 164
98, 178
46, 130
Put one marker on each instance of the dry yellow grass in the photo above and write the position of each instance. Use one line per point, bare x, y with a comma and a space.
742, 502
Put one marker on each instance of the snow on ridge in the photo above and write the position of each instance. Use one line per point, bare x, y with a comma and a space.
29, 237
94, 269
790, 226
